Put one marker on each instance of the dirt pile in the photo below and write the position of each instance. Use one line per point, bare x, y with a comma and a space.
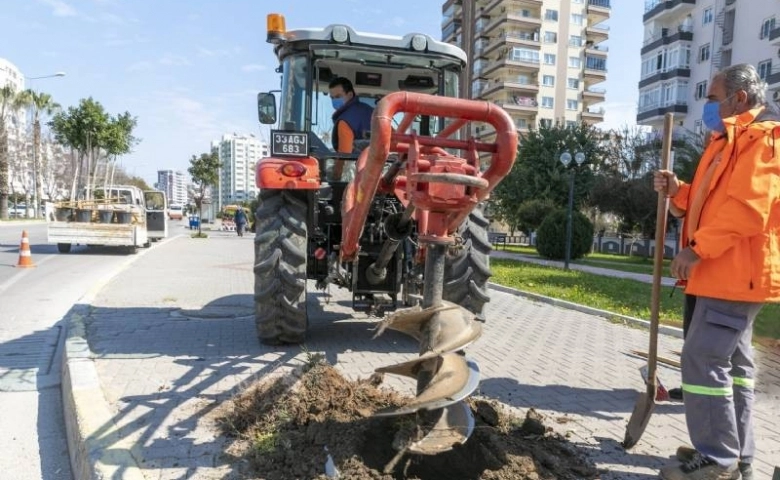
285, 430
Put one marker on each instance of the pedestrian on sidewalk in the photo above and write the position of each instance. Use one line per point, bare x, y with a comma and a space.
239, 218
732, 265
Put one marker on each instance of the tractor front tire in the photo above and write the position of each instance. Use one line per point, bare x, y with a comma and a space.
280, 268
467, 269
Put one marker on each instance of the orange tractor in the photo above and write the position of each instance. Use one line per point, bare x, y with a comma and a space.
401, 225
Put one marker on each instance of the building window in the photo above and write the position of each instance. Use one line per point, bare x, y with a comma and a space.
573, 83
572, 104
576, 19
524, 55
575, 62
701, 90
704, 53
707, 16
551, 15
548, 102
764, 69
521, 123
548, 81
575, 41
766, 27
571, 124
546, 122
550, 37
549, 59
697, 127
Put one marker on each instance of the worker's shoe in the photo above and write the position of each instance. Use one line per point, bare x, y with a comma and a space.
685, 454
676, 394
700, 468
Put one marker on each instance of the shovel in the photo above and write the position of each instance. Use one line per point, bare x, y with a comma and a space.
646, 403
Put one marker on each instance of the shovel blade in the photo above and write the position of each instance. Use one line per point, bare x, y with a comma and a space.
640, 417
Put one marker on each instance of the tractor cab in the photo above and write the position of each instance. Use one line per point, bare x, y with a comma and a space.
376, 65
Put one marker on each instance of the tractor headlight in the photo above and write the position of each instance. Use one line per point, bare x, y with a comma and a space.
419, 42
340, 34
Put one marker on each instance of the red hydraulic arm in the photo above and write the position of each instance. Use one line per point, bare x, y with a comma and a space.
442, 188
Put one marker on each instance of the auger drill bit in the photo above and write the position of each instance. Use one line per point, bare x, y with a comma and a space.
445, 377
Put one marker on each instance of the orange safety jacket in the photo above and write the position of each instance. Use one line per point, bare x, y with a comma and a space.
737, 235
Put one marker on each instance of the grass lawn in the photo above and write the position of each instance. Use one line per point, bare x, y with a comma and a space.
603, 260
626, 297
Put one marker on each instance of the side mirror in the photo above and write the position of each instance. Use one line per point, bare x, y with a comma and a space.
266, 108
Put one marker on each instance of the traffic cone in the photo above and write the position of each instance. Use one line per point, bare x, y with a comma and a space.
25, 258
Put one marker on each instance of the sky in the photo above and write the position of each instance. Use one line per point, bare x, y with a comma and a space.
190, 70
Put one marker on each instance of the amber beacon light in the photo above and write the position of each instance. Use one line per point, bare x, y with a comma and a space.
275, 27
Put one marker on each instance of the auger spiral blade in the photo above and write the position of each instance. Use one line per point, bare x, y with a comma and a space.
454, 427
454, 377
444, 328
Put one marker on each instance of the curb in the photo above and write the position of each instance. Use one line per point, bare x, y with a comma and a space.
96, 448
626, 320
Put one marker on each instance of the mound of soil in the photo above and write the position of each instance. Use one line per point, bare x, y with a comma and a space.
287, 429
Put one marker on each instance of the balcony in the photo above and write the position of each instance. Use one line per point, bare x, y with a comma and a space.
592, 115
516, 18
648, 113
773, 80
517, 103
774, 36
598, 11
512, 4
595, 70
669, 74
660, 10
592, 96
499, 85
519, 64
591, 49
515, 39
662, 38
596, 34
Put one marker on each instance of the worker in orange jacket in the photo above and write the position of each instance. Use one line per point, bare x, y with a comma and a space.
732, 265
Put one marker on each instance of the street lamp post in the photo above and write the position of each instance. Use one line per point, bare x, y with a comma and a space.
37, 201
566, 158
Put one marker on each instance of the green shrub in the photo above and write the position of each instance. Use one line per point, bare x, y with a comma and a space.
551, 236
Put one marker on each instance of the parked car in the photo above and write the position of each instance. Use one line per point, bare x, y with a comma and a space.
175, 212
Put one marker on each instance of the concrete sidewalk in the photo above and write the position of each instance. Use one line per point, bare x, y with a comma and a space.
151, 354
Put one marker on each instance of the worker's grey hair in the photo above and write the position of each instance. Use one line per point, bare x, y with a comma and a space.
744, 76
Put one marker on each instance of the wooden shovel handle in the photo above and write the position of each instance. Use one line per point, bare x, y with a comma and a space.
658, 258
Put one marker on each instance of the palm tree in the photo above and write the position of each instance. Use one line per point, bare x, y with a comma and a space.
41, 103
10, 103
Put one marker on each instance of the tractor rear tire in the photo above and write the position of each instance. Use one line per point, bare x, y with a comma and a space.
467, 269
280, 268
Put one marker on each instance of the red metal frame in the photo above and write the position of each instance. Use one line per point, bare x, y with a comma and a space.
444, 188
270, 176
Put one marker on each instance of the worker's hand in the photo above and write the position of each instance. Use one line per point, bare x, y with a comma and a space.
666, 181
683, 263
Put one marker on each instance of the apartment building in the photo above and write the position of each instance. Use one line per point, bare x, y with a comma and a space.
238, 155
174, 184
687, 41
540, 60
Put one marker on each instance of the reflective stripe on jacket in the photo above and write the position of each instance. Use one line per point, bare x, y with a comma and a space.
738, 234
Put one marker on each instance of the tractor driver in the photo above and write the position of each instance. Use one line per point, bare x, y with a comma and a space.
351, 120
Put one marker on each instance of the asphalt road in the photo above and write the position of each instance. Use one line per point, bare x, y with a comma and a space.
33, 304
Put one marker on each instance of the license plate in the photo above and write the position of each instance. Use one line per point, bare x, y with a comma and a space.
289, 143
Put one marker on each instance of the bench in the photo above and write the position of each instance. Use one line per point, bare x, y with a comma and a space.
498, 239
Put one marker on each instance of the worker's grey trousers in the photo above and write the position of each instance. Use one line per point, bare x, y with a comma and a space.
717, 375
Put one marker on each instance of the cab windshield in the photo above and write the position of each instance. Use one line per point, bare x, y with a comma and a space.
373, 74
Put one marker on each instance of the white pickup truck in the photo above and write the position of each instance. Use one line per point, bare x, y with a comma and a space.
116, 216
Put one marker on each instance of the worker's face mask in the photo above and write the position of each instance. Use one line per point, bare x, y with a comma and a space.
711, 115
337, 102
